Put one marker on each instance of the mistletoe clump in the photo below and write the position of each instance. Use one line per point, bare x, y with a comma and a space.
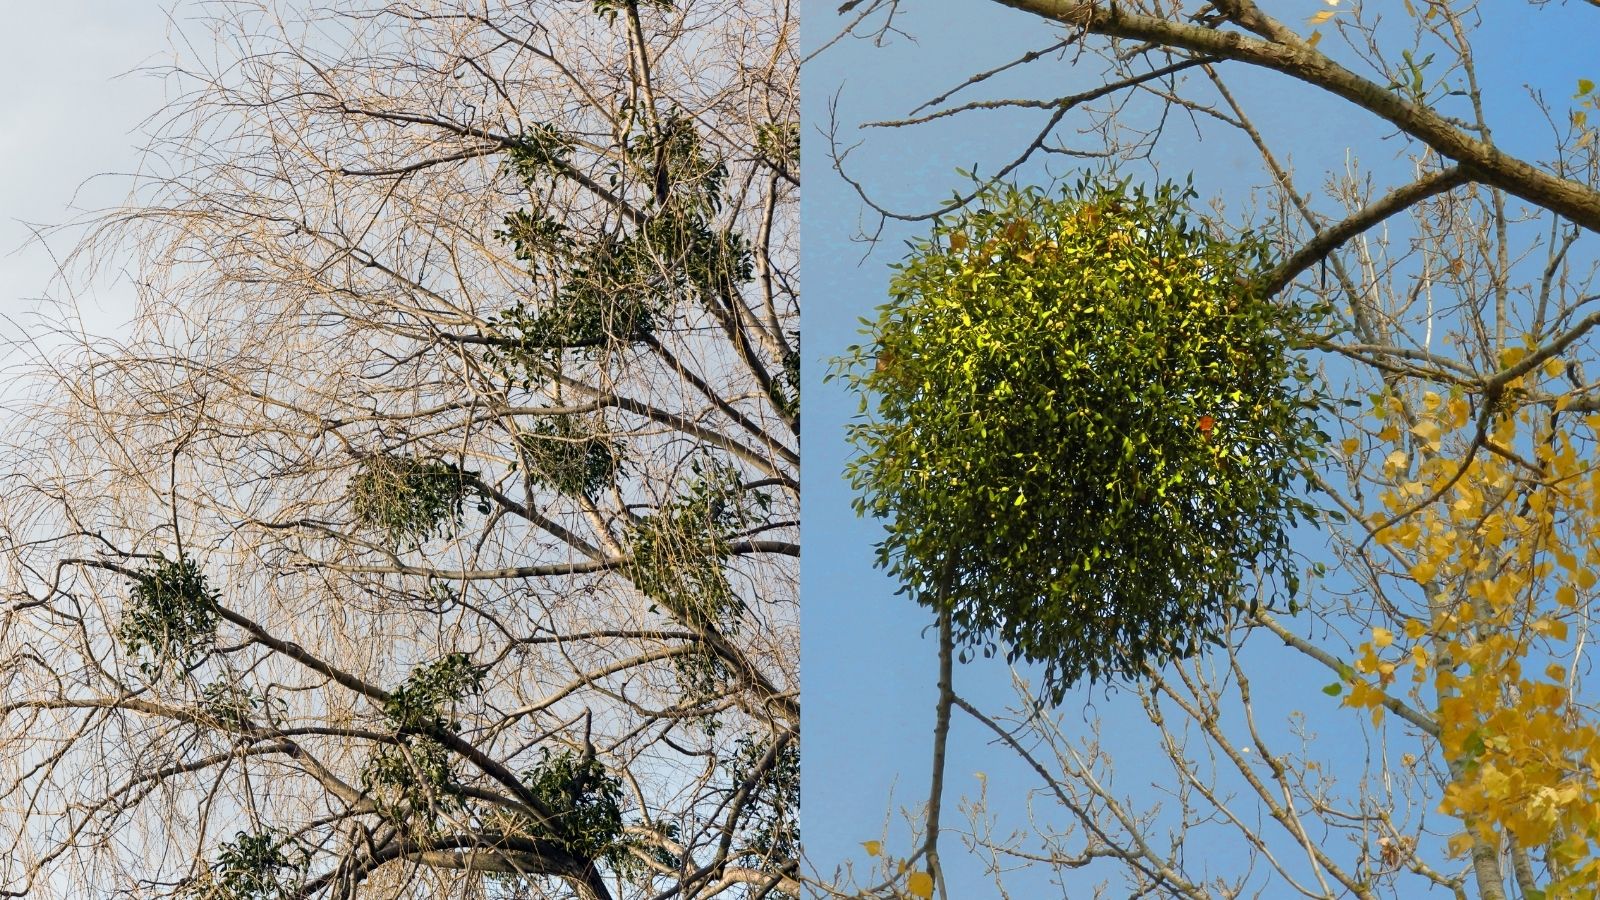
260, 865
570, 455
679, 552
410, 499
1085, 427
420, 703
679, 557
584, 801
411, 781
610, 291
171, 613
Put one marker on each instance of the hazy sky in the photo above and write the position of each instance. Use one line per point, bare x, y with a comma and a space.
70, 112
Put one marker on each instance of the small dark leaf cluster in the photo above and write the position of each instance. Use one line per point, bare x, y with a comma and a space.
171, 613
537, 151
1086, 427
678, 552
568, 454
779, 144
535, 239
785, 388
410, 499
584, 800
608, 9
420, 703
685, 177
230, 705
255, 866
410, 781
703, 678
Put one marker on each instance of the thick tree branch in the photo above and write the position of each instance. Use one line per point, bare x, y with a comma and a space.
1291, 56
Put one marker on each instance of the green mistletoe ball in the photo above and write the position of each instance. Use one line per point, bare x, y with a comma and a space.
1084, 427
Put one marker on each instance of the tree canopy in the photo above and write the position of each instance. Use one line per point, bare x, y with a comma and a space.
432, 532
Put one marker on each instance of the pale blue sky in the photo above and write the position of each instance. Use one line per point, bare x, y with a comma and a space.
70, 112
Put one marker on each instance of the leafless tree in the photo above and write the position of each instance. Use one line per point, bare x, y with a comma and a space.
433, 531
1469, 252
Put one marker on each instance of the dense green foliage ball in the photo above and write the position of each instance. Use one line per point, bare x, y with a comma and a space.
171, 616
1085, 427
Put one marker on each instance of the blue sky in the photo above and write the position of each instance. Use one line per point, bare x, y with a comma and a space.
868, 657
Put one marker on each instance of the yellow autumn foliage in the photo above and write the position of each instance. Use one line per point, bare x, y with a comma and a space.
1497, 529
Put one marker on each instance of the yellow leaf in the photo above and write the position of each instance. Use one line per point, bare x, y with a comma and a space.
1460, 844
1566, 596
1415, 628
1367, 662
1555, 672
1498, 592
1555, 628
920, 884
1428, 432
1395, 462
1382, 637
1586, 578
1321, 17
873, 848
1350, 445
1553, 367
1574, 848
1314, 39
